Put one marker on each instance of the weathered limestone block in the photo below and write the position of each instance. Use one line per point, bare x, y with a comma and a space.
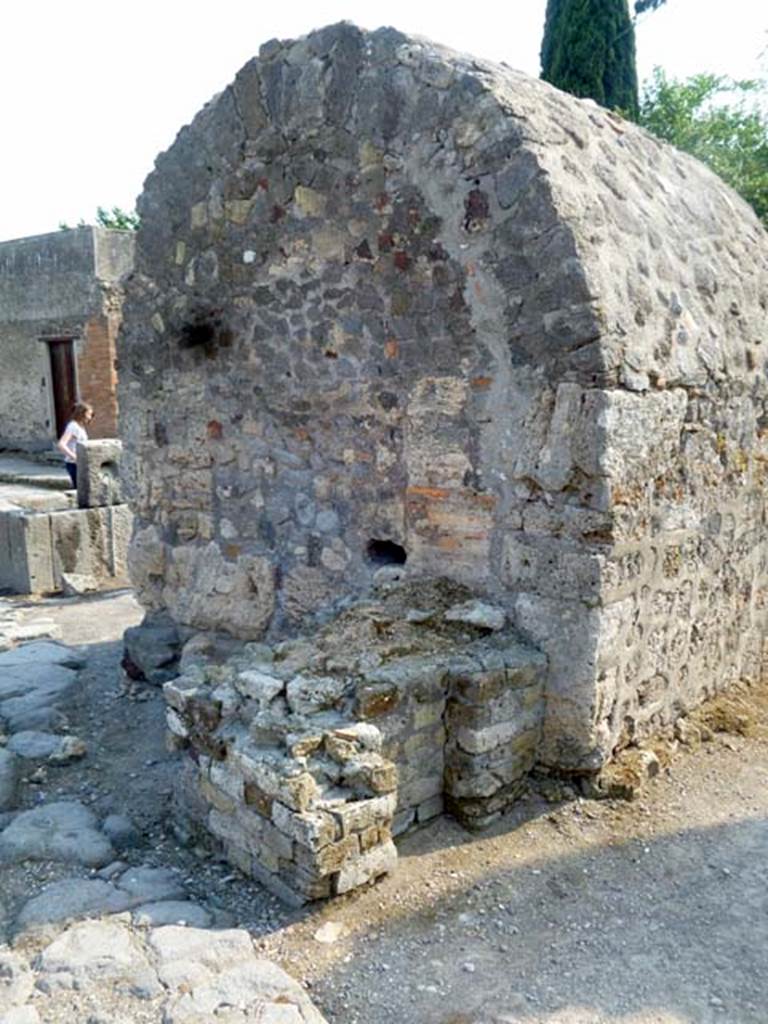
494, 720
98, 473
205, 591
38, 549
26, 556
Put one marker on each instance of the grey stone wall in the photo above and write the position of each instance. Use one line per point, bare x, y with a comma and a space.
389, 293
50, 286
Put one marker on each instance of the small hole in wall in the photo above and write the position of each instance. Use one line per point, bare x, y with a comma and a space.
385, 552
197, 334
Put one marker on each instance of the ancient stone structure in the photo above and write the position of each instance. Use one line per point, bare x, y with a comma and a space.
61, 547
397, 306
60, 307
309, 755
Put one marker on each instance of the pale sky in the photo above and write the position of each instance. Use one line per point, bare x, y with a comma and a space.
93, 90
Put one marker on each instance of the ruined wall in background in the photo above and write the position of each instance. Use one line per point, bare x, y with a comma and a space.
61, 285
391, 301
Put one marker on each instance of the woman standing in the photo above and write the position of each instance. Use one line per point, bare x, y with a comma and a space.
74, 434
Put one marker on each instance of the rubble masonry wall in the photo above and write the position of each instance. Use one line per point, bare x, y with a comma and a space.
388, 293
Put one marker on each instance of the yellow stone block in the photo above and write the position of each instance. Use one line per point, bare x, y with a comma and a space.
198, 215
237, 210
310, 202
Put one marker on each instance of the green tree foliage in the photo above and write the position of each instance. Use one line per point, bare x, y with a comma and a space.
730, 136
588, 50
641, 6
122, 220
117, 218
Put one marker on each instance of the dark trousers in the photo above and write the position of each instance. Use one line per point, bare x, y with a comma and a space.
71, 468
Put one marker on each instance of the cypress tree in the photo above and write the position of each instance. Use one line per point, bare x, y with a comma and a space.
588, 50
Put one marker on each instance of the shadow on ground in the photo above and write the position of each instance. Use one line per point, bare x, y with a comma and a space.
671, 930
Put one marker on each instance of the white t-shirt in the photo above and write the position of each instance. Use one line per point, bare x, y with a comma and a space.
77, 432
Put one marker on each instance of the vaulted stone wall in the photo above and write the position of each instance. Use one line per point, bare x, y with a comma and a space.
391, 302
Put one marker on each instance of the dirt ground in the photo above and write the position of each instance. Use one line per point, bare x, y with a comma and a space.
584, 912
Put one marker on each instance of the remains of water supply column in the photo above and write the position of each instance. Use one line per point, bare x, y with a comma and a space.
403, 316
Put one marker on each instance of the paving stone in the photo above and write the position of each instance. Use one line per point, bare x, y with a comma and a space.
75, 898
41, 652
34, 745
100, 951
71, 899
148, 885
63, 831
16, 981
42, 716
21, 1015
219, 969
178, 912
9, 779
121, 831
187, 956
16, 680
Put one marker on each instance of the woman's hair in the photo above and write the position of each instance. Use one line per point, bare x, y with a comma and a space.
80, 410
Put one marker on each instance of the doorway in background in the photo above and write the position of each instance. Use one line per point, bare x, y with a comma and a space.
63, 380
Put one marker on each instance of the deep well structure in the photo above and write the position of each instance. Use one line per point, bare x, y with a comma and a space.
396, 304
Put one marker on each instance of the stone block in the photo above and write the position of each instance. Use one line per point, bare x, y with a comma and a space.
120, 525
227, 779
259, 686
483, 740
309, 695
225, 827
77, 585
416, 792
98, 473
328, 859
313, 829
90, 542
240, 858
377, 699
80, 542
291, 894
371, 837
305, 885
26, 555
369, 775
431, 808
265, 838
273, 778
403, 821
425, 715
217, 798
381, 860
358, 815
